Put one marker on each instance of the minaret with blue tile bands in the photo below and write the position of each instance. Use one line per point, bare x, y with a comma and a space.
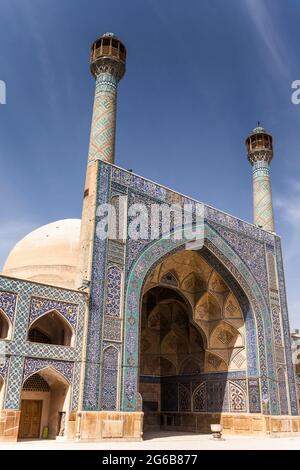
260, 153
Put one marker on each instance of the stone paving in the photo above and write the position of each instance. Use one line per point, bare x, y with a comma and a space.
166, 441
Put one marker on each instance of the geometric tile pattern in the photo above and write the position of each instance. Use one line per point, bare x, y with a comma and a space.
14, 383
102, 138
8, 304
269, 388
30, 297
262, 196
238, 396
91, 399
4, 368
112, 329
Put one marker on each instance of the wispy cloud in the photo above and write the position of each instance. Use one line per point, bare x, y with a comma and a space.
10, 233
288, 208
31, 16
268, 31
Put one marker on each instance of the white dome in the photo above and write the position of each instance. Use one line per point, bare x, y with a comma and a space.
49, 254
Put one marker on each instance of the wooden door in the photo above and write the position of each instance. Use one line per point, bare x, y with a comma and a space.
30, 421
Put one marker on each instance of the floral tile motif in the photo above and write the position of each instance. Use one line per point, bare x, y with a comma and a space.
31, 366
40, 306
113, 291
251, 252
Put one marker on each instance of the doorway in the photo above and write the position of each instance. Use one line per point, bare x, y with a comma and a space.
30, 421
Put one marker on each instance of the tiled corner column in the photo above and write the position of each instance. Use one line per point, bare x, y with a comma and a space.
91, 396
294, 410
16, 362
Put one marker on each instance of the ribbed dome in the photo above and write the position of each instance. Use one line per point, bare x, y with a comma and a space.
49, 254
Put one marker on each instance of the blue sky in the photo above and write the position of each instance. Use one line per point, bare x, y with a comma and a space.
200, 73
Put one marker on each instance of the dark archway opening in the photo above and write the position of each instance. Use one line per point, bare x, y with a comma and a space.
4, 326
172, 351
51, 328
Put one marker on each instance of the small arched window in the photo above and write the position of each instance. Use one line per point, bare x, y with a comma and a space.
51, 328
4, 326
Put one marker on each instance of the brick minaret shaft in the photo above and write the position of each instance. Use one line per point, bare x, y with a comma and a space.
108, 59
260, 153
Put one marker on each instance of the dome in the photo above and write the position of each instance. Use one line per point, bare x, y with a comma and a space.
109, 35
259, 130
49, 254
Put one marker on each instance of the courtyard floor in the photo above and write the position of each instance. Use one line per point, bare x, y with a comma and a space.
166, 441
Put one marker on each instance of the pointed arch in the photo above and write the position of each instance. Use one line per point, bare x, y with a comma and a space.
47, 392
51, 328
237, 397
48, 370
257, 315
5, 325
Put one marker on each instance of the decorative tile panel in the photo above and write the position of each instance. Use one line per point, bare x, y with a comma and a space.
8, 302
286, 331
32, 366
19, 348
91, 400
109, 381
238, 396
113, 291
39, 307
112, 329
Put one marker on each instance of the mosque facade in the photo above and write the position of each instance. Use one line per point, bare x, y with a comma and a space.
108, 335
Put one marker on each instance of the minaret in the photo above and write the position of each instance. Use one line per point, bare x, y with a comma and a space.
260, 153
108, 58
